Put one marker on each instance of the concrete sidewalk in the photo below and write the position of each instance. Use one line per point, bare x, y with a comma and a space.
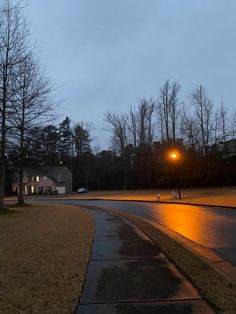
128, 274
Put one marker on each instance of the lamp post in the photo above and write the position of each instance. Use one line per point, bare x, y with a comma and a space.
174, 157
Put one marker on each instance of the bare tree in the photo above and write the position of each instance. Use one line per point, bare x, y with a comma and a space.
31, 106
216, 127
168, 110
133, 125
203, 110
174, 108
163, 109
233, 131
190, 130
118, 124
142, 117
141, 124
14, 35
223, 123
160, 119
150, 124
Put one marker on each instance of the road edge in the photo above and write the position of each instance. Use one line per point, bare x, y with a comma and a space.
155, 202
213, 284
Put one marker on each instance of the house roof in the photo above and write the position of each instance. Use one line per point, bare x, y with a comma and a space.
54, 172
51, 172
51, 178
32, 172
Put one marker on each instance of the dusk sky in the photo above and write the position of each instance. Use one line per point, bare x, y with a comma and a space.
105, 54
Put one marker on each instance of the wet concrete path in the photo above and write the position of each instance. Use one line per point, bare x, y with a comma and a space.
128, 274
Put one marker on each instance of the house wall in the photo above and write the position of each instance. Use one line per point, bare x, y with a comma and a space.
61, 189
26, 184
66, 176
43, 185
40, 187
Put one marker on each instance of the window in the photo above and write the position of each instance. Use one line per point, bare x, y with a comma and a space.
37, 179
32, 189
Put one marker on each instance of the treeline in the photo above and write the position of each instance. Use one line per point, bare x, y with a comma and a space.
140, 142
197, 128
65, 143
69, 143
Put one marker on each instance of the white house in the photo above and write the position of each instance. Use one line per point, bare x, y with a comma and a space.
50, 180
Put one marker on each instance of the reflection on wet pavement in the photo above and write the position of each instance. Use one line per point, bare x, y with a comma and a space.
128, 274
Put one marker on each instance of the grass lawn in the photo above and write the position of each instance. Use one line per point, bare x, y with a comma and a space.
44, 252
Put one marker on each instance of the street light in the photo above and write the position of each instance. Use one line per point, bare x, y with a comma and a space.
174, 156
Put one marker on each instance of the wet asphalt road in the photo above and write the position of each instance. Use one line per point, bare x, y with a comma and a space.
213, 228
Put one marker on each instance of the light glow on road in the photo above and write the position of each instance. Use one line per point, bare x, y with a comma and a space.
179, 220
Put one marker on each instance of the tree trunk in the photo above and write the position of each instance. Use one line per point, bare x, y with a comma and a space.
2, 183
124, 172
20, 192
3, 143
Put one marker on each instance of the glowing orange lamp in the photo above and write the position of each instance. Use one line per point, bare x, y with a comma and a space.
174, 156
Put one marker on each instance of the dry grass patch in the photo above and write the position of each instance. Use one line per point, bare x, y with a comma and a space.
7, 211
212, 286
44, 252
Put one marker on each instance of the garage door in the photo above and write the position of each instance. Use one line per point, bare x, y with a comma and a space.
61, 189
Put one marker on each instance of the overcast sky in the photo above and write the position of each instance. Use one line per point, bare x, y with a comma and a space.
105, 54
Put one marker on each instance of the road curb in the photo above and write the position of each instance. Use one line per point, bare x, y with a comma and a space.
218, 269
220, 265
213, 283
155, 202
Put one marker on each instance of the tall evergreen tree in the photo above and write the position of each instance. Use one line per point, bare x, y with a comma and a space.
66, 142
